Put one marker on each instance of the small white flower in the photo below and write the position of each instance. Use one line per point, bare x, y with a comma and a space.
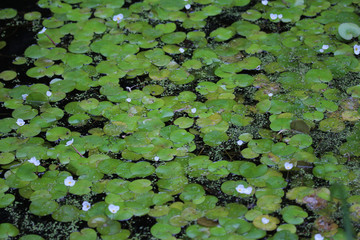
118, 18
20, 122
264, 220
185, 0
86, 206
156, 158
356, 49
264, 2
24, 96
68, 143
34, 161
240, 142
318, 236
258, 68
128, 99
288, 166
69, 181
325, 46
181, 50
241, 189
48, 93
193, 110
321, 50
187, 6
273, 16
42, 30
113, 208
280, 16
270, 94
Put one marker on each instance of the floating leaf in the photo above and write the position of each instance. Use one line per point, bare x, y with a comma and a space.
7, 13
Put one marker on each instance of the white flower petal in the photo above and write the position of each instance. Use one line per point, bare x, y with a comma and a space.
68, 143
113, 208
187, 6
42, 30
240, 142
325, 46
280, 16
288, 166
118, 18
86, 206
181, 50
318, 236
128, 99
264, 220
48, 93
264, 2
156, 158
69, 181
273, 16
20, 122
193, 110
24, 96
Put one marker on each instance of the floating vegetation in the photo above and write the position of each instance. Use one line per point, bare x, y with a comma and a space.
182, 119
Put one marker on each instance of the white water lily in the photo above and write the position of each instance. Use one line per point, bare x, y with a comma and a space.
113, 208
241, 189
273, 16
69, 181
288, 166
24, 96
68, 143
318, 236
20, 122
86, 206
118, 18
34, 161
42, 30
356, 49
264, 220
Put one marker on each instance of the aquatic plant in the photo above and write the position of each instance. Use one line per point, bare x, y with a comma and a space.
175, 119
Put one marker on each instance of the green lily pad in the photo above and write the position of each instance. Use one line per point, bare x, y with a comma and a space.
318, 75
6, 200
8, 230
30, 16
266, 222
301, 141
7, 13
66, 213
31, 237
85, 234
331, 125
349, 30
215, 138
56, 133
8, 75
293, 214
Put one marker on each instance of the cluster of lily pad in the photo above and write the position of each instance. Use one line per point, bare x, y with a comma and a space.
138, 97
